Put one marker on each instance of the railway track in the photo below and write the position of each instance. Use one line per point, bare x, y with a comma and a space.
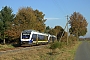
18, 49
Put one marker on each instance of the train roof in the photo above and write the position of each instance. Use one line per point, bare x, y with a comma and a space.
26, 31
34, 32
29, 31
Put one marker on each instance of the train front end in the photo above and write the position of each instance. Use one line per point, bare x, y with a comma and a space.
26, 37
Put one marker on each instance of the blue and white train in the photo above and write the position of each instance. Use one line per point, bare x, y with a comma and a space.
35, 37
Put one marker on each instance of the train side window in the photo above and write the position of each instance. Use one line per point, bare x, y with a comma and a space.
34, 37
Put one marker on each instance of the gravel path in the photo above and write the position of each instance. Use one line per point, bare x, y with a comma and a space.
83, 51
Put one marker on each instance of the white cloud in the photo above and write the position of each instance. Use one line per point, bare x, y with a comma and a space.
52, 18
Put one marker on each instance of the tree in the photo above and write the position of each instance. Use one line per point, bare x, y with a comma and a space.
78, 24
47, 29
26, 19
1, 28
52, 32
6, 17
57, 30
13, 33
40, 20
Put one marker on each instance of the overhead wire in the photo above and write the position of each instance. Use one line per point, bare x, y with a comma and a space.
60, 8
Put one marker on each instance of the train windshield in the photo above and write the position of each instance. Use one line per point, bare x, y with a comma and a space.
25, 35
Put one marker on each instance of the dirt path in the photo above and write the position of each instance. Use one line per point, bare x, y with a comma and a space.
83, 51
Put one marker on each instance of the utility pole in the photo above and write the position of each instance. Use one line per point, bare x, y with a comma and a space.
64, 30
67, 29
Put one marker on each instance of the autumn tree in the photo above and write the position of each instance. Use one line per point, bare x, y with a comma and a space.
13, 33
57, 30
52, 31
26, 18
78, 24
6, 17
40, 20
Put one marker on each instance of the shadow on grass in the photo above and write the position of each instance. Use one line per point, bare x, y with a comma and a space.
51, 53
24, 45
16, 45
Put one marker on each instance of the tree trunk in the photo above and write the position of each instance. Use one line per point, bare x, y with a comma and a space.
77, 36
4, 41
4, 38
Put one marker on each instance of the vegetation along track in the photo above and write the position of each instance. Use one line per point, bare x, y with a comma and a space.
18, 49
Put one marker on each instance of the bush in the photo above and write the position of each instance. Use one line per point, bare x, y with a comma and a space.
54, 45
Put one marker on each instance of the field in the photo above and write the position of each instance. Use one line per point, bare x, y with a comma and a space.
44, 53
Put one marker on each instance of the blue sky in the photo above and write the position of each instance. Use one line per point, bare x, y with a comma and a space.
55, 10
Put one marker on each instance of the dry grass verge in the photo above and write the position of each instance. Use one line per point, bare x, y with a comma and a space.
66, 53
5, 46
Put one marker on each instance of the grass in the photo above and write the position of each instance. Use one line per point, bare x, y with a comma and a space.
6, 46
65, 53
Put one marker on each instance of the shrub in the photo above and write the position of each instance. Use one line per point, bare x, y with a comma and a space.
54, 46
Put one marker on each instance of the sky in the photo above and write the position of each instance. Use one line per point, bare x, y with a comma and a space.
55, 10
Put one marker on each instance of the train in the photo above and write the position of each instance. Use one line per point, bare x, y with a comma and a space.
34, 37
